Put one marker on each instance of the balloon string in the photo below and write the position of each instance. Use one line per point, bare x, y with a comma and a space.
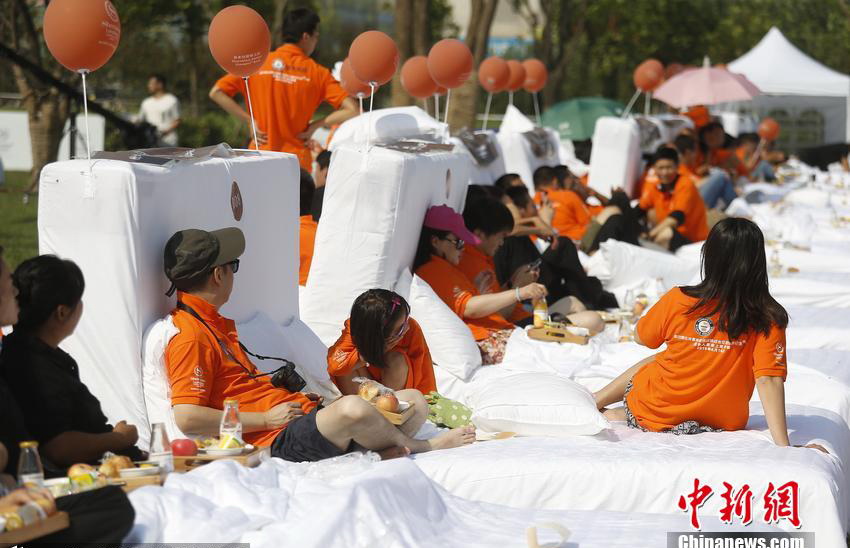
251, 113
537, 108
360, 98
487, 111
448, 98
511, 98
647, 103
631, 104
369, 123
437, 107
86, 111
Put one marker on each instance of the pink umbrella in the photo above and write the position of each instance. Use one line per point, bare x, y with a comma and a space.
705, 86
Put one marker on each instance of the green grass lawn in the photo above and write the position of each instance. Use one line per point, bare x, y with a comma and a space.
18, 229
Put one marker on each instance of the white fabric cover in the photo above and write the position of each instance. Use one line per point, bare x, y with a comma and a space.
155, 383
387, 125
615, 157
516, 150
371, 220
294, 342
449, 339
619, 264
483, 175
535, 404
114, 225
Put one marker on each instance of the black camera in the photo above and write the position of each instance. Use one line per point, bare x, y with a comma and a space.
287, 377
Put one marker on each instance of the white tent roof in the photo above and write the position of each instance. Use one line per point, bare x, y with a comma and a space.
777, 67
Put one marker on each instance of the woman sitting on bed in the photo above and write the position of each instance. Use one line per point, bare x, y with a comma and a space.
724, 337
381, 341
437, 257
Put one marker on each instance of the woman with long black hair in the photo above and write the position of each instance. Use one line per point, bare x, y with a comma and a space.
724, 337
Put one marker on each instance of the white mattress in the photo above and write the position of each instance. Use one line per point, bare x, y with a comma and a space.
359, 504
516, 150
631, 471
372, 216
115, 226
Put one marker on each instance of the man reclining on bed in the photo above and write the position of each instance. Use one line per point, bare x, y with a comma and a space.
206, 365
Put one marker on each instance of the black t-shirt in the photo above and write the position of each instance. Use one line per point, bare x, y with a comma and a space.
46, 384
12, 427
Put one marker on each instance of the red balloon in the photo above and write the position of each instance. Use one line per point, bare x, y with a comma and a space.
649, 75
416, 79
82, 34
769, 129
517, 79
450, 63
493, 74
536, 75
239, 40
351, 84
672, 70
374, 57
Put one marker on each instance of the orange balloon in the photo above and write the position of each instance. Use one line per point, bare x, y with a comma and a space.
493, 74
536, 75
351, 84
769, 129
649, 75
239, 40
441, 90
672, 70
450, 63
82, 34
517, 79
374, 57
416, 79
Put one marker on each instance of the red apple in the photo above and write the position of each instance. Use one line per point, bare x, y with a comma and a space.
184, 448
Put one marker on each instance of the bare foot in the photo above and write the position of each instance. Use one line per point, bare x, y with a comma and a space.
615, 414
453, 438
394, 453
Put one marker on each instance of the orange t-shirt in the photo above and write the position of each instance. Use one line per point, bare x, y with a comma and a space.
307, 236
721, 157
285, 93
202, 373
455, 289
475, 263
572, 215
702, 375
685, 198
343, 357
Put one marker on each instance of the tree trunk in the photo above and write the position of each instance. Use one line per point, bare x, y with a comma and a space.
277, 22
404, 26
421, 27
463, 107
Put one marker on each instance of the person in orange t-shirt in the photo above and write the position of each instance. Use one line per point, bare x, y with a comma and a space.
206, 364
680, 216
287, 90
438, 254
723, 337
382, 342
308, 226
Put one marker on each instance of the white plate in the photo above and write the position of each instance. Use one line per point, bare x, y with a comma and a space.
139, 472
59, 487
216, 452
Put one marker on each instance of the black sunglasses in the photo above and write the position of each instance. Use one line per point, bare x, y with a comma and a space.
459, 244
234, 265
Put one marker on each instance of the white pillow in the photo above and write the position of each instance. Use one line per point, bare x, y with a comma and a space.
627, 265
155, 385
535, 404
388, 125
294, 342
449, 339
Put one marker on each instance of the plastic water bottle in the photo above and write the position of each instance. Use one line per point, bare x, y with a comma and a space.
30, 470
231, 426
161, 449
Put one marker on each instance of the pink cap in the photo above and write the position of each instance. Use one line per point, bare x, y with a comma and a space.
445, 218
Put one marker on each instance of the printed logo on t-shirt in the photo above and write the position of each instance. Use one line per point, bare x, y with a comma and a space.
704, 327
779, 348
277, 64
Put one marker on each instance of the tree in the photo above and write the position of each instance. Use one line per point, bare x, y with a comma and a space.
47, 110
463, 107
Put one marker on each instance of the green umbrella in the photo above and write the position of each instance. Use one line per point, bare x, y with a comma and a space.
575, 119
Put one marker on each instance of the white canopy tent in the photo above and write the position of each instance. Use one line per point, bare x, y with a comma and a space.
809, 99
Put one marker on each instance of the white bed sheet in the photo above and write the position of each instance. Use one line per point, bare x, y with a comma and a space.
631, 471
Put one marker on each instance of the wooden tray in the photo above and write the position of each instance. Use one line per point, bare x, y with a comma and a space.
56, 522
131, 484
397, 418
556, 334
249, 460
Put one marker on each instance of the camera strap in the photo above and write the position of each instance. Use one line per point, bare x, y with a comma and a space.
224, 348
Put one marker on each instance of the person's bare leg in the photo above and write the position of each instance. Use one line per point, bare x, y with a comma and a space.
616, 389
351, 418
420, 413
566, 305
607, 213
664, 237
588, 319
